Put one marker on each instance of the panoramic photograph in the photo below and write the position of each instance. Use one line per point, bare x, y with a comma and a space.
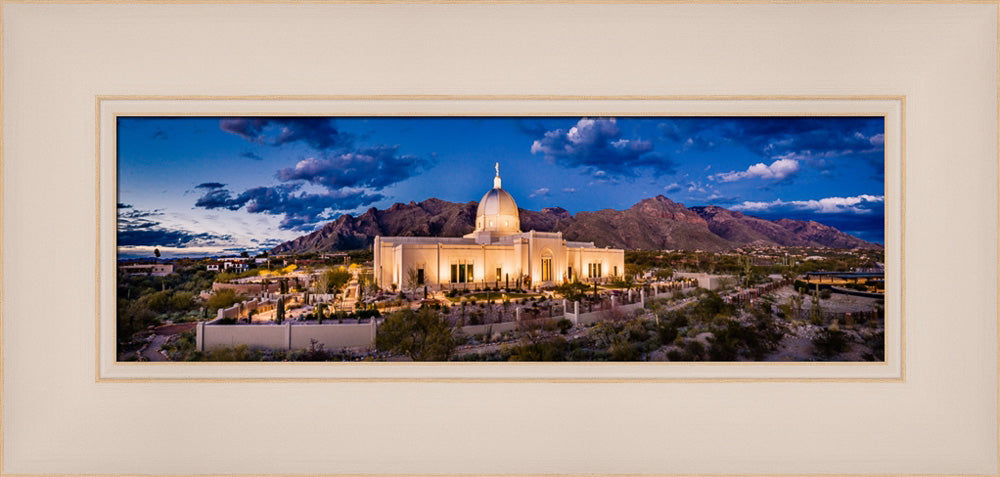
485, 239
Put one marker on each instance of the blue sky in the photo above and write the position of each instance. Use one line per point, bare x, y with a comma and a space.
211, 185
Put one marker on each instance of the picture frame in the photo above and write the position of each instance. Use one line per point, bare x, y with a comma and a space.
935, 416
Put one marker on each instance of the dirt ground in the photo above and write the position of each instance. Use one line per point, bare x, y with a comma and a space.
837, 303
797, 345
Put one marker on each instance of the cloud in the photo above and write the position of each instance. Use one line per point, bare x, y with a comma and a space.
350, 178
779, 170
209, 185
318, 133
862, 216
541, 192
130, 218
597, 146
251, 155
374, 167
716, 198
166, 238
673, 187
530, 127
862, 204
818, 142
301, 210
139, 227
569, 190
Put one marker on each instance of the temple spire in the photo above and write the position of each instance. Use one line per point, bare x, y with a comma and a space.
496, 180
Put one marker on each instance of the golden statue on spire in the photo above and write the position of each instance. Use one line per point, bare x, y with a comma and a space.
496, 180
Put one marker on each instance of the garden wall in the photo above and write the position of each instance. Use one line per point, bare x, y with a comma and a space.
285, 336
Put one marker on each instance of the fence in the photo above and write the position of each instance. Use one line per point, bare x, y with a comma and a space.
747, 296
339, 336
287, 336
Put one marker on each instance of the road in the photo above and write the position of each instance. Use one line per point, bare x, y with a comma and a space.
152, 351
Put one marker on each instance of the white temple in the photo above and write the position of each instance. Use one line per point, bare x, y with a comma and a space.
496, 253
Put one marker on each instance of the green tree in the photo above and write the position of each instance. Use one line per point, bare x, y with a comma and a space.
279, 311
796, 302
572, 291
320, 308
156, 252
333, 280
182, 301
224, 298
423, 335
158, 302
412, 278
815, 312
663, 273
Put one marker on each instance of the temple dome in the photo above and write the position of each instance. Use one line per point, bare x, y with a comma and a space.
497, 211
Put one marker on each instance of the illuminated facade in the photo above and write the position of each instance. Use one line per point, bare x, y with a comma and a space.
496, 253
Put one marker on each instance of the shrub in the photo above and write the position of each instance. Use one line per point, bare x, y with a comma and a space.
829, 342
223, 299
564, 325
694, 349
666, 332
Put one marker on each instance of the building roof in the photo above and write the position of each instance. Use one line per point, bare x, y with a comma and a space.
497, 202
497, 211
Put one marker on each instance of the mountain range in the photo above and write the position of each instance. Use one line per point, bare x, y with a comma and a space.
656, 223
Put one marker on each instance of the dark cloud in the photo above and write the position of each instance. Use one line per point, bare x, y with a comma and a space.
166, 238
374, 167
217, 199
251, 155
210, 185
139, 227
130, 218
301, 210
817, 141
597, 146
350, 176
532, 127
318, 133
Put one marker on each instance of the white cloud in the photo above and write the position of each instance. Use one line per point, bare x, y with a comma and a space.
778, 170
542, 192
829, 205
569, 190
674, 187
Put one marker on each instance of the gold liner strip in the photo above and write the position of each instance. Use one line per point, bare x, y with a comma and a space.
901, 378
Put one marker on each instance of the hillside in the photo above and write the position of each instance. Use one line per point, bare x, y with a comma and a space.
654, 223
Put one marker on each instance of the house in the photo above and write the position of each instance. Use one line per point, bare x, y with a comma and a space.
148, 269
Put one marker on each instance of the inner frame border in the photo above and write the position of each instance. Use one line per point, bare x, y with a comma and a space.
238, 370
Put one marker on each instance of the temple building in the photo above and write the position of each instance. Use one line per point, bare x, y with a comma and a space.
496, 253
